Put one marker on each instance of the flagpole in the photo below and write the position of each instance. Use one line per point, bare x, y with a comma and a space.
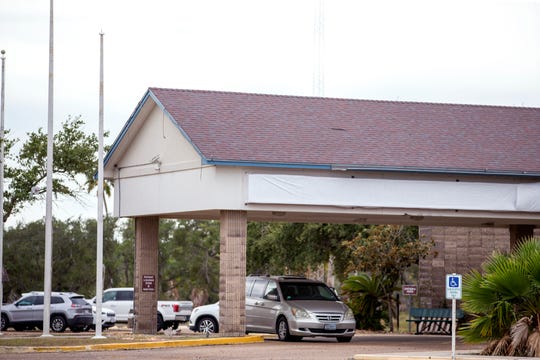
3, 57
48, 208
99, 255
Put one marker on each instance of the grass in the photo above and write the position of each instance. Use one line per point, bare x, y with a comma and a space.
58, 341
34, 339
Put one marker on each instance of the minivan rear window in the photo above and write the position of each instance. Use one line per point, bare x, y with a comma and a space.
307, 291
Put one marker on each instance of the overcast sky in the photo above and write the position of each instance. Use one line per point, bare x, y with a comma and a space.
472, 52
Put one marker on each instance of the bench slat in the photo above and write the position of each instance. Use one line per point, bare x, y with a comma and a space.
434, 320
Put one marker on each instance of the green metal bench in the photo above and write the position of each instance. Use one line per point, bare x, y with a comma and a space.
433, 321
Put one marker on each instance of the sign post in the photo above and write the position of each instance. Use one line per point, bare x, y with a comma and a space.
453, 291
409, 290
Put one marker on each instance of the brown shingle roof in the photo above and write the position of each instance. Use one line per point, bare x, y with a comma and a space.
304, 131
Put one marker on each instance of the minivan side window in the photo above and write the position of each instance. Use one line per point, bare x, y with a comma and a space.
258, 288
249, 284
271, 289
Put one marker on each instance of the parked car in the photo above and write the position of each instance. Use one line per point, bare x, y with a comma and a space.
108, 317
68, 309
169, 313
291, 307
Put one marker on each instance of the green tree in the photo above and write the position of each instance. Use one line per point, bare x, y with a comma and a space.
385, 252
74, 155
74, 256
120, 270
295, 248
504, 300
189, 260
24, 247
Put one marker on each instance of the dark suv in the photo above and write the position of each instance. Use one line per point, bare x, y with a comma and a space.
291, 307
67, 310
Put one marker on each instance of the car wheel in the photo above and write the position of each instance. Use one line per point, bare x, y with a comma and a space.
344, 339
160, 324
283, 331
207, 325
58, 323
5, 322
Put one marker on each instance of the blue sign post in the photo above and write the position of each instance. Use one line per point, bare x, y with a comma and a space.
453, 291
453, 286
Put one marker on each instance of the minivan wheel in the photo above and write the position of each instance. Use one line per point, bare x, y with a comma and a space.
283, 331
207, 325
58, 323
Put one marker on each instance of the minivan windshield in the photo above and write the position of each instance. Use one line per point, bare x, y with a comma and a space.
306, 291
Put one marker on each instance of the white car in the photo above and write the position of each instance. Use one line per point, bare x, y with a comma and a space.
108, 317
120, 300
205, 319
169, 313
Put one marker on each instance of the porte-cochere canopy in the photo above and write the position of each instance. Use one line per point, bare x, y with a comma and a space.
239, 157
190, 154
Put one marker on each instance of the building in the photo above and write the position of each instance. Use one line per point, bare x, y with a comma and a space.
242, 157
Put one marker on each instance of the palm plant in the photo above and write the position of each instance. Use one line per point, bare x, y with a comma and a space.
369, 296
504, 300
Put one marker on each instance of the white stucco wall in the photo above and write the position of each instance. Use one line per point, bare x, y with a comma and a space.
161, 173
188, 190
157, 138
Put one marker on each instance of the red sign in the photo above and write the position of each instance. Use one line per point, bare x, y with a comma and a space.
409, 290
148, 283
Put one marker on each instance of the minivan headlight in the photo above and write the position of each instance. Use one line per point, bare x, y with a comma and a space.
299, 313
349, 315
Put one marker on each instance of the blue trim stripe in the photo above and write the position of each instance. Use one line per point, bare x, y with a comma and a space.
436, 171
266, 164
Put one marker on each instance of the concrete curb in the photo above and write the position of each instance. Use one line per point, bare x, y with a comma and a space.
147, 345
434, 355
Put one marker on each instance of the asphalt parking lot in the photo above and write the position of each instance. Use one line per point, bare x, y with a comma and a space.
270, 348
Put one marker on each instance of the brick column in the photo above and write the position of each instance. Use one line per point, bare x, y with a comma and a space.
456, 250
146, 267
232, 272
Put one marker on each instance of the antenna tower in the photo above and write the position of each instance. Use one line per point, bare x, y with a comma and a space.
318, 68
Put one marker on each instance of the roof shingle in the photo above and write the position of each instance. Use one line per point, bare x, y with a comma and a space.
275, 129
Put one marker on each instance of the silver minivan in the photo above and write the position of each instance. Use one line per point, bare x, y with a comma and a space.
291, 307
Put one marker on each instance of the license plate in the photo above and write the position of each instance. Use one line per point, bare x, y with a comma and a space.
329, 326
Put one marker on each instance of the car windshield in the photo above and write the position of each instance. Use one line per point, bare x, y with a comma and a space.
307, 291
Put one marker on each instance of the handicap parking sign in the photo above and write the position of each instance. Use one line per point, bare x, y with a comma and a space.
453, 281
453, 286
